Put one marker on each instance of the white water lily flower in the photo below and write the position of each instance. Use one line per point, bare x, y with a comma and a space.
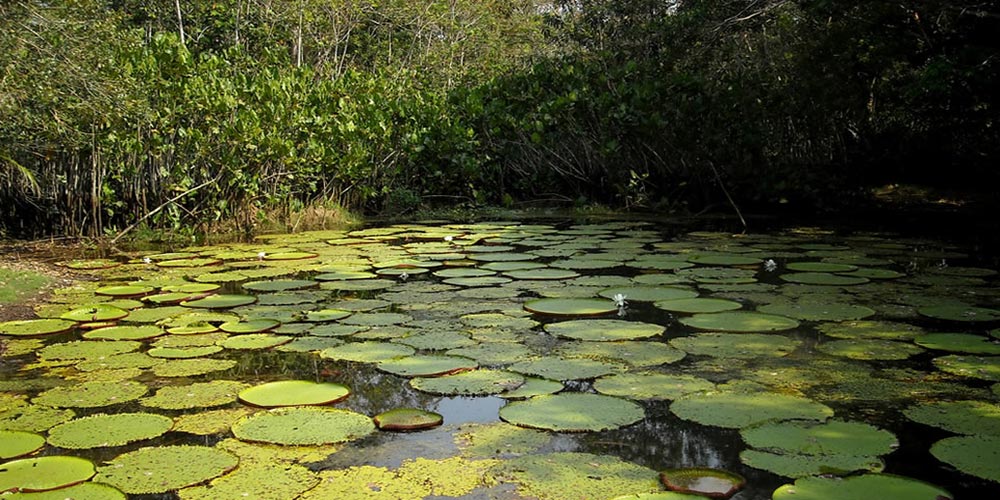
261, 255
770, 265
147, 260
403, 276
619, 299
449, 238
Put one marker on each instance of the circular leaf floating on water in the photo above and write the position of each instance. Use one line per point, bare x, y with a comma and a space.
161, 469
869, 349
407, 419
100, 430
818, 311
367, 352
960, 417
91, 394
125, 332
324, 315
981, 367
579, 475
197, 395
192, 367
96, 312
736, 345
648, 293
635, 353
740, 321
712, 483
81, 491
294, 393
799, 449
808, 278
15, 444
737, 410
863, 487
698, 305
91, 264
480, 382
604, 329
124, 290
190, 262
221, 301
573, 412
571, 307
252, 326
303, 426
255, 341
975, 455
651, 385
279, 285
959, 342
183, 352
32, 327
554, 368
426, 365
967, 314
44, 473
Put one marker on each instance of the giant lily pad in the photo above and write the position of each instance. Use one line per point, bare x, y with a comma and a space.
571, 307
197, 395
260, 481
555, 476
959, 342
479, 382
80, 491
573, 412
863, 487
961, 417
125, 332
798, 449
739, 410
30, 327
91, 394
740, 321
554, 368
15, 444
294, 393
975, 455
736, 345
221, 301
96, 312
407, 419
818, 311
634, 353
604, 329
814, 278
100, 430
649, 386
869, 349
961, 313
44, 473
367, 352
303, 426
125, 290
161, 469
981, 367
426, 365
192, 367
698, 305
712, 483
252, 326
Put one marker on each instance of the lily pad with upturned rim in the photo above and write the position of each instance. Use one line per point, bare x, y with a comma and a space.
959, 342
698, 305
965, 314
702, 481
252, 326
818, 311
44, 473
80, 491
193, 367
367, 352
571, 307
479, 382
829, 279
738, 410
651, 385
981, 367
740, 321
869, 349
197, 395
562, 369
961, 417
407, 419
303, 426
91, 394
15, 444
160, 469
429, 365
124, 291
294, 393
96, 431
573, 412
32, 327
552, 476
602, 330
254, 341
96, 312
220, 301
975, 455
736, 345
125, 332
862, 487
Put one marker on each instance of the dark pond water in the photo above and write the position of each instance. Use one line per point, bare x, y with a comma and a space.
861, 303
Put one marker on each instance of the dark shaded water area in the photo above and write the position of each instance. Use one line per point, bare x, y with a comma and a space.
939, 258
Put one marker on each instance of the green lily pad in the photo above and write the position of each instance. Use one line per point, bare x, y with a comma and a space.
651, 386
813, 278
426, 365
713, 483
884, 330
96, 312
723, 260
479, 382
31, 327
981, 367
376, 319
324, 315
739, 410
960, 417
262, 481
91, 264
874, 273
191, 262
44, 473
799, 443
193, 367
965, 314
303, 426
571, 307
863, 487
161, 469
818, 311
221, 301
553, 476
736, 345
500, 438
407, 419
255, 341
279, 285
95, 431
253, 326
125, 332
91, 394
292, 255
532, 387
820, 267
740, 321
561, 369
798, 465
367, 352
15, 444
698, 305
603, 329
959, 342
633, 353
869, 349
197, 395
183, 352
294, 393
975, 455
573, 412
33, 417
210, 422
542, 274
125, 290
155, 314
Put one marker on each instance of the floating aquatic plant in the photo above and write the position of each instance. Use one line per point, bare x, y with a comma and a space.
407, 419
102, 430
739, 410
603, 329
294, 393
651, 386
44, 473
197, 395
30, 327
862, 487
573, 412
740, 321
260, 481
975, 455
15, 444
91, 394
303, 426
159, 469
553, 476
702, 482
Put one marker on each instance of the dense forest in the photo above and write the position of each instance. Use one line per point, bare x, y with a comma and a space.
184, 114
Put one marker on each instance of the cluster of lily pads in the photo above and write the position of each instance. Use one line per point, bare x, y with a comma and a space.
804, 343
